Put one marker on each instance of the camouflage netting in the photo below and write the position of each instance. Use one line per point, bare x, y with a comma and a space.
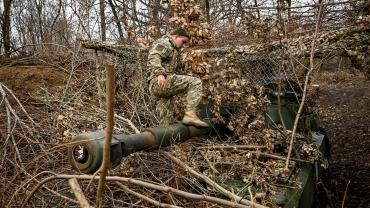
229, 72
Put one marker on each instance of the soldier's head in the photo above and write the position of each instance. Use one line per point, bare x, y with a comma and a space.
180, 37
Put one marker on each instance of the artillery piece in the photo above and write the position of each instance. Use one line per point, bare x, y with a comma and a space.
86, 151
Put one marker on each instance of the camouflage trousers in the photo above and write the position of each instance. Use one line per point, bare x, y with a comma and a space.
175, 84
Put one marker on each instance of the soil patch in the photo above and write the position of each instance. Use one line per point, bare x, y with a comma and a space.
24, 80
28, 83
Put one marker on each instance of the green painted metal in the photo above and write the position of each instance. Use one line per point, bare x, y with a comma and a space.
304, 195
90, 143
288, 107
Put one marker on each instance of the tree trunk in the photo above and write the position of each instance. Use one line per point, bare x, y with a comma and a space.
6, 26
289, 2
100, 72
55, 20
205, 9
116, 19
39, 7
102, 20
155, 14
258, 11
240, 8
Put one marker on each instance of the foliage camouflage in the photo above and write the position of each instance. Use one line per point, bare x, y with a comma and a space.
227, 71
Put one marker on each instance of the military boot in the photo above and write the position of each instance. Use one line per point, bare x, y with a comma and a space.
191, 118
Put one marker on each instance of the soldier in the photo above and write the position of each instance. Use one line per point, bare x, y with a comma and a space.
164, 82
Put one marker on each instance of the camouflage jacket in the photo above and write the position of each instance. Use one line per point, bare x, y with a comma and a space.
163, 58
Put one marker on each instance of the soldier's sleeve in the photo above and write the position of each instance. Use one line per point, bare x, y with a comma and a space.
157, 54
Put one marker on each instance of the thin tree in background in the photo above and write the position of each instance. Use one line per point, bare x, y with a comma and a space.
206, 10
155, 15
240, 8
116, 19
100, 72
103, 29
6, 27
39, 9
58, 12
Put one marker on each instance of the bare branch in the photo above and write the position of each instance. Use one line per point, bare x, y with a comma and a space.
163, 188
141, 196
73, 183
304, 93
211, 182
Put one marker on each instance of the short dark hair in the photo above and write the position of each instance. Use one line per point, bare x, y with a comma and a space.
181, 32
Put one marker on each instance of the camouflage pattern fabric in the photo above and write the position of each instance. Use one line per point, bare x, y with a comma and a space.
175, 84
163, 58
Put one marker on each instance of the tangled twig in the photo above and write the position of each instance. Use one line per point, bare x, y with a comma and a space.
163, 188
211, 182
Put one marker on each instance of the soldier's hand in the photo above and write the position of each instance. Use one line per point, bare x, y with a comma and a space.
161, 81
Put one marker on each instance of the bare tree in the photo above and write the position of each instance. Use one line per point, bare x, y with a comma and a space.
116, 19
240, 8
59, 8
205, 5
6, 27
103, 28
257, 10
155, 4
39, 8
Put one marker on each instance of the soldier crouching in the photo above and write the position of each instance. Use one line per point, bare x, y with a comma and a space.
164, 83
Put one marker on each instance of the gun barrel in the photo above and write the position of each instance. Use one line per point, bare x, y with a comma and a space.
86, 152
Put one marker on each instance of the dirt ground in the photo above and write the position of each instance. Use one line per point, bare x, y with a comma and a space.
31, 78
343, 103
344, 107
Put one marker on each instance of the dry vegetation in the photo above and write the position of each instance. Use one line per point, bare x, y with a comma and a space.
49, 93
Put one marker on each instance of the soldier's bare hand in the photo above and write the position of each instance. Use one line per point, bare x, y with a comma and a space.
161, 81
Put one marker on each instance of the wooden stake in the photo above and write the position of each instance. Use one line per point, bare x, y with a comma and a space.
109, 132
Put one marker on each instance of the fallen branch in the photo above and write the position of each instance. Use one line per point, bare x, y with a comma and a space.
163, 188
215, 171
34, 178
280, 157
73, 183
128, 121
251, 195
127, 53
345, 193
18, 102
233, 147
210, 182
152, 201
